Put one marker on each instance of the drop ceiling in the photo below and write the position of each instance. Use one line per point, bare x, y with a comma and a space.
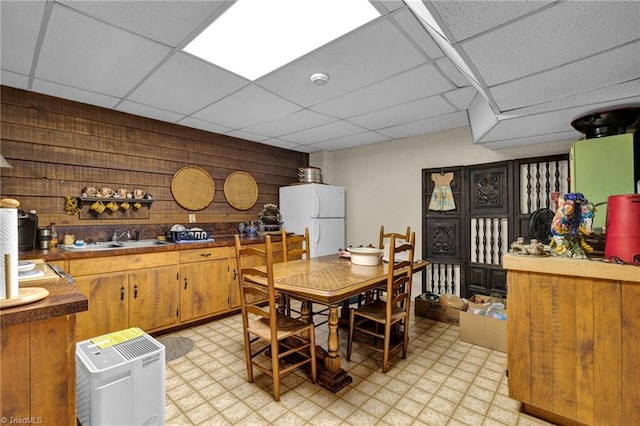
541, 64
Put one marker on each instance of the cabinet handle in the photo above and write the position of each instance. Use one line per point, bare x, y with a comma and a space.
122, 293
235, 274
185, 283
205, 254
135, 291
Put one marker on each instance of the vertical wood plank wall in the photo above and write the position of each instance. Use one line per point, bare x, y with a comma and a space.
56, 147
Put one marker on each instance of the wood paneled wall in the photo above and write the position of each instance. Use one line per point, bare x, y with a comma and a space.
56, 147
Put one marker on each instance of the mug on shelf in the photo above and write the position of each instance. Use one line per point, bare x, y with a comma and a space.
125, 205
106, 192
98, 207
137, 205
112, 205
138, 193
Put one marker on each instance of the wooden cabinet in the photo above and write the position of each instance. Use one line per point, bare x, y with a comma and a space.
573, 340
108, 304
155, 291
127, 291
204, 282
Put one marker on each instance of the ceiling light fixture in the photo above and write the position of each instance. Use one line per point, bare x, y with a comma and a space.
319, 78
254, 37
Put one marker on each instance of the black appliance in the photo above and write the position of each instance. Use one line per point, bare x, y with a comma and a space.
27, 231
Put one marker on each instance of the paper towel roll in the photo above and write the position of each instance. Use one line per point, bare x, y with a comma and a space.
9, 245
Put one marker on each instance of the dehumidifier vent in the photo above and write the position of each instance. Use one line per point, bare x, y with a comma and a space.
136, 348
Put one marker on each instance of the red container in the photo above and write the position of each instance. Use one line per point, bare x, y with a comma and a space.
622, 238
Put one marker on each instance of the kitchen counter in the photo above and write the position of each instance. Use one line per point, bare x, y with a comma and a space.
63, 299
572, 339
57, 253
38, 361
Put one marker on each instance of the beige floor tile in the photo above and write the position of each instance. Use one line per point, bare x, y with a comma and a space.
443, 381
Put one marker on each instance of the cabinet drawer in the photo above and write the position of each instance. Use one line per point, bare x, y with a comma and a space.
202, 255
101, 265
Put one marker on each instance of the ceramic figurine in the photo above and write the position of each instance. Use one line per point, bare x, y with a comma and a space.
572, 221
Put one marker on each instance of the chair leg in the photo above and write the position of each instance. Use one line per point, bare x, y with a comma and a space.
312, 352
247, 356
387, 341
405, 336
275, 368
350, 337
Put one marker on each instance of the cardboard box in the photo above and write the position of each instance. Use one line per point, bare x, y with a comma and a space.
481, 330
436, 311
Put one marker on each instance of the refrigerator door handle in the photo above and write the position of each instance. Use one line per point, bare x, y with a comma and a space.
316, 204
318, 233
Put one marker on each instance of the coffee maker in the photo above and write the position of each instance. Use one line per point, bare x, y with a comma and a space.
27, 231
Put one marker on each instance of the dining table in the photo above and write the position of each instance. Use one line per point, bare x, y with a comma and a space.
329, 280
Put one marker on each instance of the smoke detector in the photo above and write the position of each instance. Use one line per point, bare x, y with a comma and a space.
319, 78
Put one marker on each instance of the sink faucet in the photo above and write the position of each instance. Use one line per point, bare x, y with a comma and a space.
117, 236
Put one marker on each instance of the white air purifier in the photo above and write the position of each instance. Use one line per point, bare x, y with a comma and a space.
120, 380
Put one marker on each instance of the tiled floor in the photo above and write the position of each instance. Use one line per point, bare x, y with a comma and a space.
443, 381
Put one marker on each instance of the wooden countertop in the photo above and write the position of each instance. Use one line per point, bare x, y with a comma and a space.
588, 268
63, 299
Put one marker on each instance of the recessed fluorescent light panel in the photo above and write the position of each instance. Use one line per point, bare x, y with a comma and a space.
254, 37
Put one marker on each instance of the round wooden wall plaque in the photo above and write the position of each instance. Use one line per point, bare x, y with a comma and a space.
192, 188
241, 190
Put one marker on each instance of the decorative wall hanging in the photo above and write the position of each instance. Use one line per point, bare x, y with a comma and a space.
241, 190
442, 197
192, 188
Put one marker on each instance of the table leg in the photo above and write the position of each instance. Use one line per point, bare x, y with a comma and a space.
331, 376
305, 315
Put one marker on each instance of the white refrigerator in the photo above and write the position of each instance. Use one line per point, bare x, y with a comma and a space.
317, 207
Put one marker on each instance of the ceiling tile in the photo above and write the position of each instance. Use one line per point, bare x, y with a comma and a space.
410, 24
532, 140
368, 55
168, 22
557, 35
468, 18
19, 29
429, 125
185, 84
247, 107
410, 111
12, 79
615, 66
74, 94
452, 73
150, 112
84, 53
417, 83
291, 123
203, 125
322, 133
461, 98
350, 141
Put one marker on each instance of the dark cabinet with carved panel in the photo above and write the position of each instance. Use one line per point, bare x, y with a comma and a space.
493, 205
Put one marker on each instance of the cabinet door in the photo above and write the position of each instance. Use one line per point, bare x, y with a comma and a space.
108, 304
205, 288
154, 297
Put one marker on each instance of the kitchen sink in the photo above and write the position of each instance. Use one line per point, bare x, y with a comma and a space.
139, 243
115, 245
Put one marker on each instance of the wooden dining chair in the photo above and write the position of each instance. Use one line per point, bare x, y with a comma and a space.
384, 237
296, 247
383, 324
271, 338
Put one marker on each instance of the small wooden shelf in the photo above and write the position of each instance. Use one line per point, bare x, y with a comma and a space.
130, 213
